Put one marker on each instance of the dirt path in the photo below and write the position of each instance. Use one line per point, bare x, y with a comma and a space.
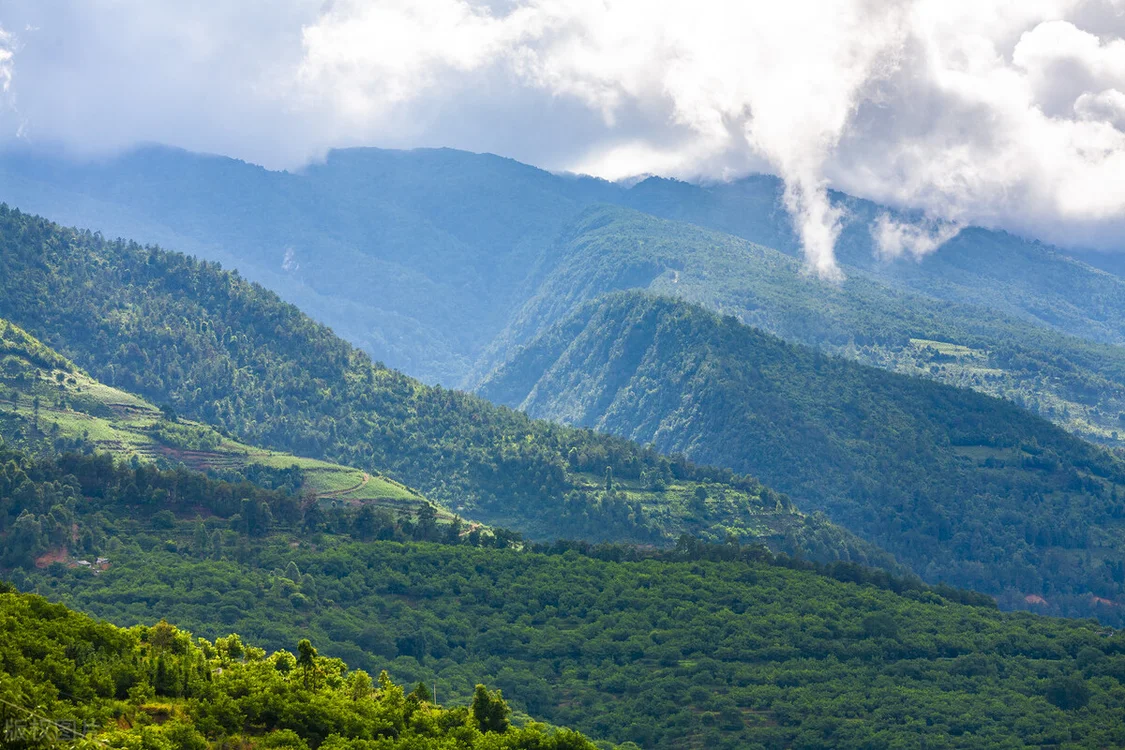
348, 491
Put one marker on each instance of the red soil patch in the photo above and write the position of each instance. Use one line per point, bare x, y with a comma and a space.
1034, 599
51, 556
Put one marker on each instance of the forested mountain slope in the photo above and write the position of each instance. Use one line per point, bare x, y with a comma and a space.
231, 354
424, 258
1077, 383
68, 680
1006, 273
73, 507
717, 646
122, 542
712, 647
963, 487
1109, 262
417, 257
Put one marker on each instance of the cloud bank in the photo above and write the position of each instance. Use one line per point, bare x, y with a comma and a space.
971, 111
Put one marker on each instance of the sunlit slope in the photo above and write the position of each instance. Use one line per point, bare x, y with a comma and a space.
723, 654
68, 680
43, 396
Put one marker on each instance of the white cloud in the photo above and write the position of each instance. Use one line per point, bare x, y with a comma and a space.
778, 79
895, 239
1008, 114
1009, 123
1106, 106
5, 61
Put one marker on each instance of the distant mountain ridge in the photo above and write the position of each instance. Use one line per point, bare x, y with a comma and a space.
982, 267
430, 260
417, 257
1078, 383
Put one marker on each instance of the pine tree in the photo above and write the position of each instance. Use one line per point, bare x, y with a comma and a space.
306, 660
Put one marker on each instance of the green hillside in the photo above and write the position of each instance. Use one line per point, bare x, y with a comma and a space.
1075, 383
416, 257
715, 646
44, 399
606, 636
962, 487
69, 507
230, 354
67, 680
709, 648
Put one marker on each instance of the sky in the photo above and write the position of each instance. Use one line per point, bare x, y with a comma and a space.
1006, 114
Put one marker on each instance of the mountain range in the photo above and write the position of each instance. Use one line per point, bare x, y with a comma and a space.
216, 349
512, 264
439, 262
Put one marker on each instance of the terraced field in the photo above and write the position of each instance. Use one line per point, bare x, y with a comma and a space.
47, 399
983, 370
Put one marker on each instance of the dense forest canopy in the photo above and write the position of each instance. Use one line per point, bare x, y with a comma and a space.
962, 487
67, 680
723, 645
720, 649
719, 645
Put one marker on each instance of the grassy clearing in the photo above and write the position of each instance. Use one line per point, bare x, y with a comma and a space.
341, 482
947, 348
678, 508
69, 404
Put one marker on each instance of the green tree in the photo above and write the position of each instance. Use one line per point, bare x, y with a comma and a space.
490, 711
427, 522
306, 660
1068, 693
292, 572
201, 543
365, 524
359, 685
25, 540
